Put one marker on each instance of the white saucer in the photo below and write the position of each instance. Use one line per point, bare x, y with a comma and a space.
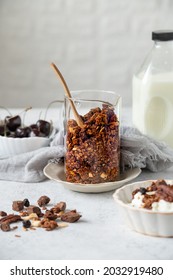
56, 172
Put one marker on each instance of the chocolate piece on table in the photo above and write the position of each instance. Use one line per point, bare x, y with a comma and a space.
3, 214
5, 227
18, 205
43, 200
34, 209
50, 215
49, 224
55, 209
61, 205
71, 216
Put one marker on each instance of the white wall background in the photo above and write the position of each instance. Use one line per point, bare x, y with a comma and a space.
96, 44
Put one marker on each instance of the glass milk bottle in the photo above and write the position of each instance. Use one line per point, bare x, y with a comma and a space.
153, 90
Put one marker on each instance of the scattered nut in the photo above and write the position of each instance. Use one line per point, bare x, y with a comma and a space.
60, 214
32, 228
103, 175
36, 223
30, 217
62, 225
23, 213
13, 228
55, 209
50, 215
48, 225
11, 218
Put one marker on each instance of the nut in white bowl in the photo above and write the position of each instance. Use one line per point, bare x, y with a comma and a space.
142, 220
15, 146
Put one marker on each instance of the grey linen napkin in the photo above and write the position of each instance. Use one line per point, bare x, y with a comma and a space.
28, 167
137, 150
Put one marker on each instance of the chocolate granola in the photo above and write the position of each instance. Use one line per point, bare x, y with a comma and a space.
155, 192
50, 215
49, 224
92, 154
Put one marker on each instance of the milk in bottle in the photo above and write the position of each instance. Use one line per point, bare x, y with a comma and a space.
153, 90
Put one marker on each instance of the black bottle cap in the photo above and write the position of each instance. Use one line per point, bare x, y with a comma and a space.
162, 35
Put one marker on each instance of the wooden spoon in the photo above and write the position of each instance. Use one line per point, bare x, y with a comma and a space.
68, 94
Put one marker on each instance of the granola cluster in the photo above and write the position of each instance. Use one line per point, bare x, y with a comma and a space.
32, 216
157, 191
92, 152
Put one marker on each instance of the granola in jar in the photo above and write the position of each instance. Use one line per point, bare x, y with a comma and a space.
93, 151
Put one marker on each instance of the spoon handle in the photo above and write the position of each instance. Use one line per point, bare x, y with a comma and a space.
68, 94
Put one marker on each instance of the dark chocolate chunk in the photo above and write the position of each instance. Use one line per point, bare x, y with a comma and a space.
18, 205
3, 214
55, 209
61, 205
43, 200
34, 209
71, 216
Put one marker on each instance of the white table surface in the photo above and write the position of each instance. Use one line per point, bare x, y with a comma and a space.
100, 234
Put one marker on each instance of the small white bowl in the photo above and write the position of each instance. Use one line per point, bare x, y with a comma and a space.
14, 146
142, 220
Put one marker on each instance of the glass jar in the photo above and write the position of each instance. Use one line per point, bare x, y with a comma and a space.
153, 90
92, 151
